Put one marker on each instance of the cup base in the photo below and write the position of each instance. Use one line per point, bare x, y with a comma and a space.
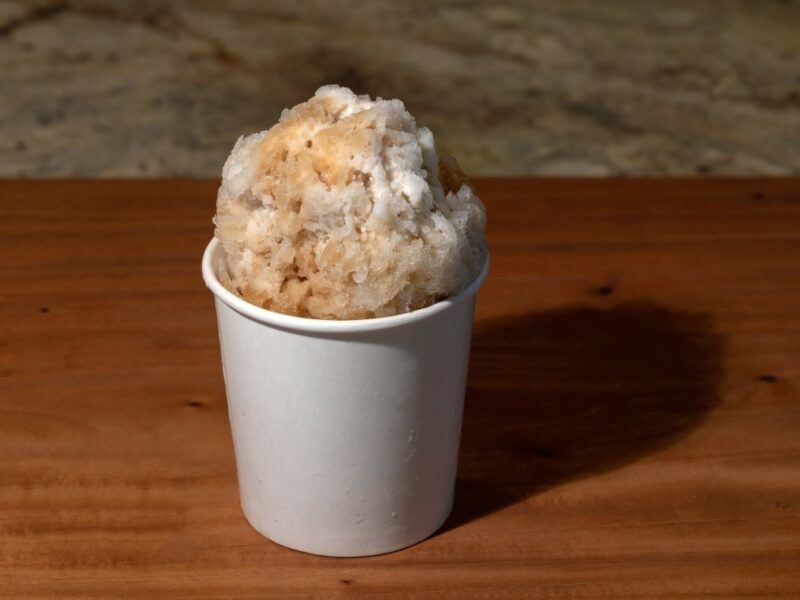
341, 549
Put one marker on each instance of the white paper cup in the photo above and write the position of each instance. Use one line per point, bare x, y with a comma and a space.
346, 433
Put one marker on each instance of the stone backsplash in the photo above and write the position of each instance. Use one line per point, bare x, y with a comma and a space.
157, 88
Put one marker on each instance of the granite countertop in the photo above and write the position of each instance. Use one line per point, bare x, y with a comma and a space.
115, 88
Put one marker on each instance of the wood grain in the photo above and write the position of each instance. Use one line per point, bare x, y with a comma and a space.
632, 425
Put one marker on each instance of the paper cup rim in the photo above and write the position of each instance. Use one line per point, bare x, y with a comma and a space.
284, 321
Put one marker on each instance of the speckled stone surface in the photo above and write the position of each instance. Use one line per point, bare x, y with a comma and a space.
155, 88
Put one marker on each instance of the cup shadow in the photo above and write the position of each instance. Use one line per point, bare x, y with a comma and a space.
568, 393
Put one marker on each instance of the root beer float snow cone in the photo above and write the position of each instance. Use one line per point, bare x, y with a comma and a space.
343, 210
345, 263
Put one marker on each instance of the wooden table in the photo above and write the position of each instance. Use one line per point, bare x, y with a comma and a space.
632, 425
